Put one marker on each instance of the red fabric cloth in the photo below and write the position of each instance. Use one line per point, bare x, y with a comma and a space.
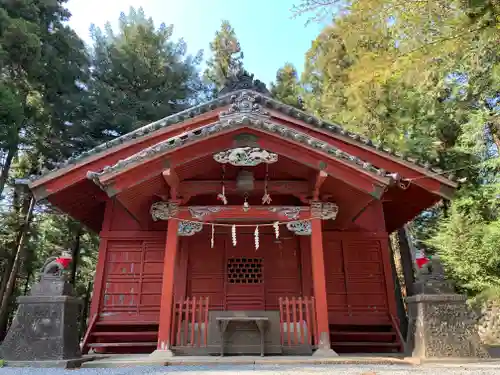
64, 262
421, 262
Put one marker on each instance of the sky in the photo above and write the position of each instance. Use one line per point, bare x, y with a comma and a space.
268, 34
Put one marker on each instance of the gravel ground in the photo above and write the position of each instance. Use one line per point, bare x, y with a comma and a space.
485, 369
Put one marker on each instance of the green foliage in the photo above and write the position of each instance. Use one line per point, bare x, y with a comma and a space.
139, 76
287, 87
468, 240
55, 232
386, 70
491, 294
43, 65
422, 77
226, 59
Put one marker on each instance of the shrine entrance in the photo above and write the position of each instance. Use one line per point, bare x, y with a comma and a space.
241, 278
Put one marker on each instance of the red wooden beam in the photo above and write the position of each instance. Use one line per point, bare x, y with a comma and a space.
191, 188
320, 178
320, 292
172, 181
167, 289
261, 213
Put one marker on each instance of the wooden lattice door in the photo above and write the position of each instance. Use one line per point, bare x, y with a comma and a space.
244, 276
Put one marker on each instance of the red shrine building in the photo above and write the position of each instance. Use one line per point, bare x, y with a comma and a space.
243, 226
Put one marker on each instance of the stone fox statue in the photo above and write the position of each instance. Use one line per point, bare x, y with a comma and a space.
54, 266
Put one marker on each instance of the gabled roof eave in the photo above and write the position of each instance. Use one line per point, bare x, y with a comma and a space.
330, 129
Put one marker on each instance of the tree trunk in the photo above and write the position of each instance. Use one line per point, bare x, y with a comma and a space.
446, 208
6, 166
75, 254
16, 207
406, 260
85, 310
5, 278
27, 283
4, 308
495, 134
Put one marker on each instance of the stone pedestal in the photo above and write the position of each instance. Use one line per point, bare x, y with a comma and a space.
441, 326
45, 327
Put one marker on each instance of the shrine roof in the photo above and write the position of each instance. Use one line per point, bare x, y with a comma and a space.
237, 87
250, 122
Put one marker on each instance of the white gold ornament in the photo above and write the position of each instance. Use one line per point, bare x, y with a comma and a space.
212, 238
276, 226
266, 198
233, 234
256, 237
246, 206
222, 196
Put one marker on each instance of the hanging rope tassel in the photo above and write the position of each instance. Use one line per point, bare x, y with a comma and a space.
212, 239
256, 236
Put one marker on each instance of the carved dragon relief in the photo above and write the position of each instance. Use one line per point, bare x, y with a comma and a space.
188, 228
245, 157
164, 210
324, 210
300, 228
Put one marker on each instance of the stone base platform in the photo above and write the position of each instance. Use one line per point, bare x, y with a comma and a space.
442, 328
145, 360
63, 363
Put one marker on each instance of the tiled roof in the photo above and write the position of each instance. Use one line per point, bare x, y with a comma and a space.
247, 119
265, 102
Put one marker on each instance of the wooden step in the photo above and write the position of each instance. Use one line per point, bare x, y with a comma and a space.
127, 323
126, 334
363, 336
367, 343
120, 344
355, 333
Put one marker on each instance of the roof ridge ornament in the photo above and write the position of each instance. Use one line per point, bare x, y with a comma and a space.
245, 103
243, 80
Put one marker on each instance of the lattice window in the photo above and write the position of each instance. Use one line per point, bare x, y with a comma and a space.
244, 270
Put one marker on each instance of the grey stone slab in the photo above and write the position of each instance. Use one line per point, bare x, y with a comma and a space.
441, 327
63, 363
45, 327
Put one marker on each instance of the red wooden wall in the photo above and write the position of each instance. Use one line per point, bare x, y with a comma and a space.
132, 278
131, 261
357, 291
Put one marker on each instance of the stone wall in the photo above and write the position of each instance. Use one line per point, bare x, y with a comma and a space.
487, 316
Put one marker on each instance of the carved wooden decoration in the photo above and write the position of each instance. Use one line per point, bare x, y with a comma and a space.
188, 228
300, 228
164, 210
245, 157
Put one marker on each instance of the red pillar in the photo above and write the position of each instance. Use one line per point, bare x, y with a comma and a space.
167, 289
319, 283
